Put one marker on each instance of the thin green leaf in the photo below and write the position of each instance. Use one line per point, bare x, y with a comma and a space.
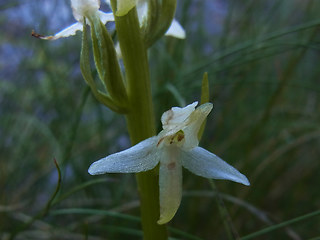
79, 188
252, 43
44, 211
107, 213
87, 75
281, 225
183, 234
95, 212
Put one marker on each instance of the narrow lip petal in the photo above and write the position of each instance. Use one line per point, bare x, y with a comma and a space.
170, 183
141, 157
206, 164
176, 30
69, 31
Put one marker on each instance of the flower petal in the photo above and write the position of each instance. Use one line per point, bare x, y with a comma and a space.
84, 8
124, 6
106, 17
69, 31
206, 164
193, 124
176, 116
170, 184
141, 157
176, 30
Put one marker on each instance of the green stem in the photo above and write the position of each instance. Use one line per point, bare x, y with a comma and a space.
140, 119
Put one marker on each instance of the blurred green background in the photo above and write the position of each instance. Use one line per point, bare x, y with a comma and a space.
262, 58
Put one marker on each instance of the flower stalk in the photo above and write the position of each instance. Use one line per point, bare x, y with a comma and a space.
140, 118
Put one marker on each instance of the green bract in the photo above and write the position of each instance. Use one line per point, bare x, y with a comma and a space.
107, 66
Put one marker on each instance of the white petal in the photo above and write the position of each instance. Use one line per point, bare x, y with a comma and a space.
187, 119
141, 157
193, 125
69, 31
170, 184
176, 30
208, 165
176, 116
84, 8
106, 17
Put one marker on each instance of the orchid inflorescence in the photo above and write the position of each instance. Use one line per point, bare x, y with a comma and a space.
176, 146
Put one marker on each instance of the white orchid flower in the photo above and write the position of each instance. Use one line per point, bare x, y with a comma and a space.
81, 9
175, 146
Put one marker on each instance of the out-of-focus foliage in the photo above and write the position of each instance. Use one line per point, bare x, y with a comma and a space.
262, 58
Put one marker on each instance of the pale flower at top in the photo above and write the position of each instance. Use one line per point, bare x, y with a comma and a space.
81, 9
90, 8
175, 146
175, 29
